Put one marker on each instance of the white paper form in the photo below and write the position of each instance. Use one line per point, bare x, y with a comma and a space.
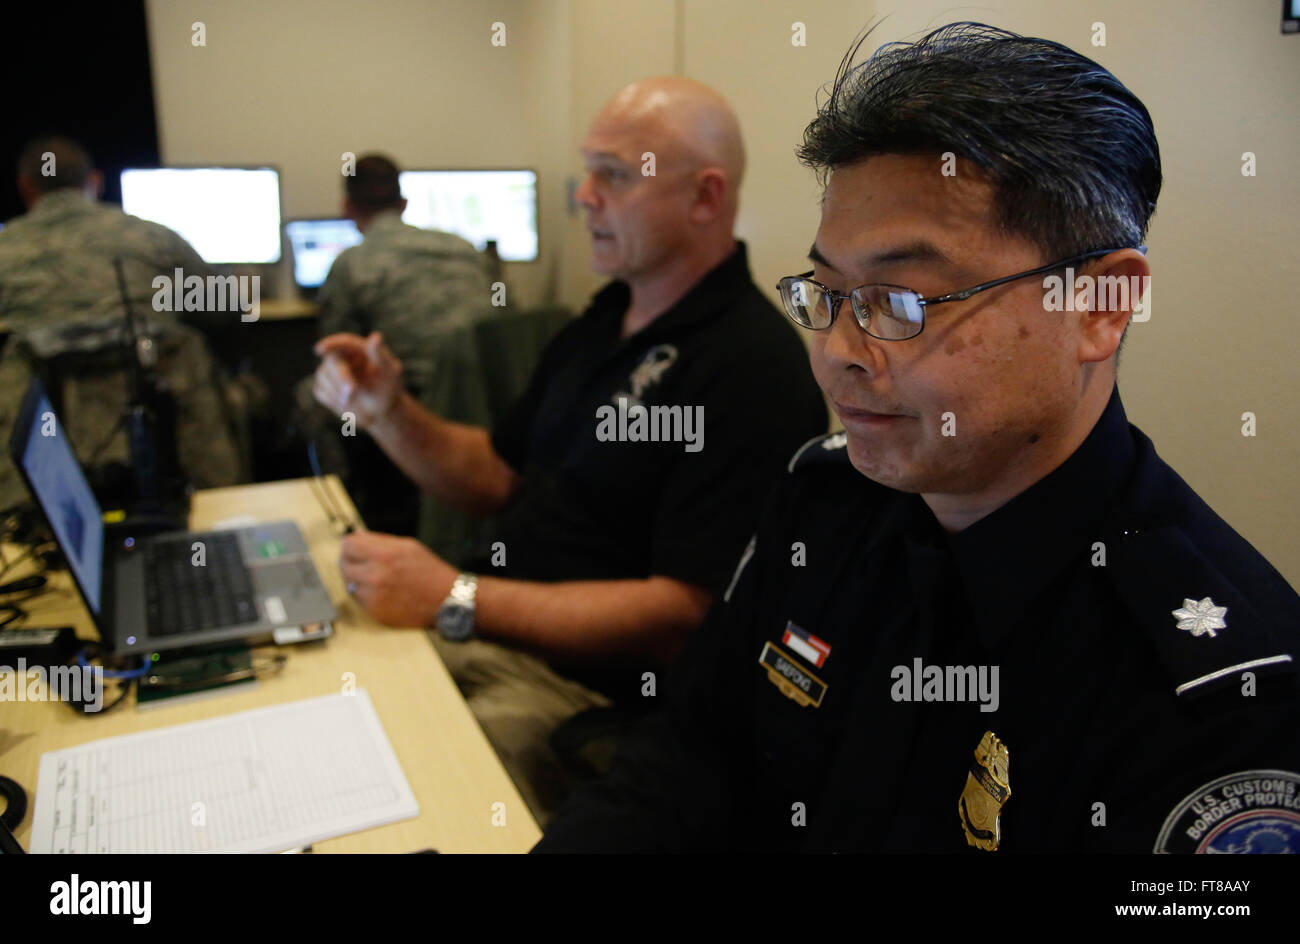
263, 780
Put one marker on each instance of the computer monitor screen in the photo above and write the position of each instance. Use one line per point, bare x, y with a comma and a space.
230, 215
63, 493
478, 205
315, 244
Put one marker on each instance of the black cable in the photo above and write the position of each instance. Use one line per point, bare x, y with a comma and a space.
333, 511
15, 612
83, 707
17, 799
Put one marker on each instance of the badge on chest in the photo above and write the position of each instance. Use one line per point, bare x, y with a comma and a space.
793, 681
988, 787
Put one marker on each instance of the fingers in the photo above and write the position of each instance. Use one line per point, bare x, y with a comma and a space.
332, 385
379, 355
357, 547
346, 345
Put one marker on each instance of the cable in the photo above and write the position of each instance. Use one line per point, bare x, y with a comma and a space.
16, 796
332, 510
33, 550
116, 673
30, 588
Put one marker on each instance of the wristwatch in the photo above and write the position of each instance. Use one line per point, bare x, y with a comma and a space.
455, 619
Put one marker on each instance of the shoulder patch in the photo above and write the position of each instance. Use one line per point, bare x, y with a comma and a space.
1251, 811
830, 447
1207, 632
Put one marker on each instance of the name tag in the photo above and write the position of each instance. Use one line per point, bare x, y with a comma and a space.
794, 681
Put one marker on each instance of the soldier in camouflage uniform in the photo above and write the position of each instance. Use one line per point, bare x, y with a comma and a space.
422, 290
411, 285
59, 295
56, 261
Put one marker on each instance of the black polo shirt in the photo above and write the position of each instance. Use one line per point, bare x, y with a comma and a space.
598, 499
1136, 711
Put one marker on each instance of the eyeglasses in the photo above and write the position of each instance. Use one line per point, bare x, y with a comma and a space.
888, 312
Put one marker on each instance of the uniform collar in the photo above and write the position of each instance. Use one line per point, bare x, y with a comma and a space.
716, 290
67, 201
385, 220
1010, 557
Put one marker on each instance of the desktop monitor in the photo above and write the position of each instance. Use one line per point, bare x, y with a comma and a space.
230, 215
315, 245
478, 205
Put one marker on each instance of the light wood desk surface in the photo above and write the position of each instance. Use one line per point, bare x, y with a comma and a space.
287, 309
452, 769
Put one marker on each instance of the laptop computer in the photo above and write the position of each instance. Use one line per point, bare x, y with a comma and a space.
316, 244
172, 590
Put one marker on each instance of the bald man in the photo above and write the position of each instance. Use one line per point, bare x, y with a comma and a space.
620, 521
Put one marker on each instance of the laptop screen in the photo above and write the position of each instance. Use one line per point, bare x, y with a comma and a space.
64, 494
315, 245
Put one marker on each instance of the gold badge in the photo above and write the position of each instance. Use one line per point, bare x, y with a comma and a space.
987, 788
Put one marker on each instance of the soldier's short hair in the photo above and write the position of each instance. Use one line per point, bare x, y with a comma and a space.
70, 167
374, 185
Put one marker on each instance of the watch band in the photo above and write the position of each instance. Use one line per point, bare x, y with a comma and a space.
455, 618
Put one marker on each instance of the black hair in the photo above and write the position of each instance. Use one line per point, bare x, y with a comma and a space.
374, 185
1070, 151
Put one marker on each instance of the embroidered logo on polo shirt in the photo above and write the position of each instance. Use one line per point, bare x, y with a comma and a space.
1201, 618
649, 372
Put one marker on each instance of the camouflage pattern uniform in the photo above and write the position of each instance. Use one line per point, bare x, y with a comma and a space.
59, 295
56, 262
425, 291
411, 284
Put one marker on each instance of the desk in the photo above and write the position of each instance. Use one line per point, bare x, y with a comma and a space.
452, 769
286, 309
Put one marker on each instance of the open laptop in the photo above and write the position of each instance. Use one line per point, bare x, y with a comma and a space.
161, 592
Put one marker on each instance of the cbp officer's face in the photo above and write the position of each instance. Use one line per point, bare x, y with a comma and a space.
638, 220
987, 388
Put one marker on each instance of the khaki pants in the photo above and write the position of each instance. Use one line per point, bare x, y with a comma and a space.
518, 701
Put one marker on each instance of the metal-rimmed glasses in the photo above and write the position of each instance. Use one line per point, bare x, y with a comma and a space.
888, 312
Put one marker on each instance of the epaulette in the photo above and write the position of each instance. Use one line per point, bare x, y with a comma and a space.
1207, 631
829, 447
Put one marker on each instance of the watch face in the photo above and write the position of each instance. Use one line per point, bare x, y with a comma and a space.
455, 623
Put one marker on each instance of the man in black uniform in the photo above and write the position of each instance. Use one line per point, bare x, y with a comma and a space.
632, 470
986, 616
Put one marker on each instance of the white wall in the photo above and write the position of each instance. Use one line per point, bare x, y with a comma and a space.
296, 84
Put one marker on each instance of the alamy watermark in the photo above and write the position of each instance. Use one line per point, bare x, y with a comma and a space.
79, 684
950, 683
77, 897
632, 421
181, 292
1099, 293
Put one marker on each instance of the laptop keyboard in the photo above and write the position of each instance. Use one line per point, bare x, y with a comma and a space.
181, 597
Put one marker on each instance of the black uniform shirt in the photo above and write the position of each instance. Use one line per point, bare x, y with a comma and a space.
591, 507
1124, 732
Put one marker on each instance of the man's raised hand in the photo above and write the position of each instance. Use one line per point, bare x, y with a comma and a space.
357, 375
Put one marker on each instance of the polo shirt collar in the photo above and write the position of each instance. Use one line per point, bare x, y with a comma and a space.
1009, 558
710, 295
